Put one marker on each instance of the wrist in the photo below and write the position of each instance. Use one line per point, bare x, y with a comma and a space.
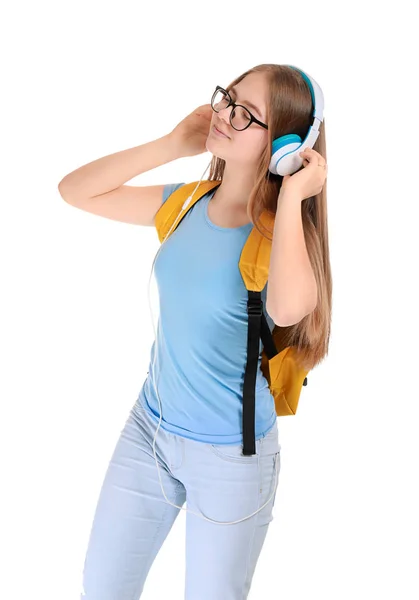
289, 194
174, 147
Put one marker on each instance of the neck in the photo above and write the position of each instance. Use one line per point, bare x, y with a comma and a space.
234, 190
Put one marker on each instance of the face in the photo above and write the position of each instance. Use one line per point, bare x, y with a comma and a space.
241, 147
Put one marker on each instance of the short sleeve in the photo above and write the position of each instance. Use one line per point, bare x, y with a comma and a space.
169, 189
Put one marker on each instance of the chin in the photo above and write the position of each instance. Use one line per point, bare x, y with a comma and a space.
211, 147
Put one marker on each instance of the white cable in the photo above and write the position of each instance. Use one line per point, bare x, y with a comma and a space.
186, 203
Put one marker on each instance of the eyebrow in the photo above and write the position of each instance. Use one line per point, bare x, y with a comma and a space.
248, 103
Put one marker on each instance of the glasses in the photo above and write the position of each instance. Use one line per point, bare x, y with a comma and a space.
240, 117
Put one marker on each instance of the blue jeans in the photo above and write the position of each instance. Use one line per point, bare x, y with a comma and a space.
132, 518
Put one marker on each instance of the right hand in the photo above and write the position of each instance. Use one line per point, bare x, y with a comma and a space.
190, 135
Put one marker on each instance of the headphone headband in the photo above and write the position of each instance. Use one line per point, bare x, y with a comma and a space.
285, 158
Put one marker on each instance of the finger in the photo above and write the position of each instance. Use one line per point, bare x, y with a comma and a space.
311, 152
306, 158
306, 152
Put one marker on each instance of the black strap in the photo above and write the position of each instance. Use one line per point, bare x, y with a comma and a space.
267, 339
258, 328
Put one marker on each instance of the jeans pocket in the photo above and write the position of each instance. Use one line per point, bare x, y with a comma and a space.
234, 453
277, 469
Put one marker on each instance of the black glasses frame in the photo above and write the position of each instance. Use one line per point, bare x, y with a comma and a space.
233, 104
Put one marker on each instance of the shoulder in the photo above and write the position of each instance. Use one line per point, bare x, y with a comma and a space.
169, 188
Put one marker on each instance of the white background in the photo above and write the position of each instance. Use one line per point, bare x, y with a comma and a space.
81, 80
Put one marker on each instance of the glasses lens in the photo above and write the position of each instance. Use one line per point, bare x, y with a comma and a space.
220, 100
240, 116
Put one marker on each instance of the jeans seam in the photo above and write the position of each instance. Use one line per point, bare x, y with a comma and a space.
135, 596
255, 520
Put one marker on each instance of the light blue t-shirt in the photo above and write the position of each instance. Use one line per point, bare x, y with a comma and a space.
202, 333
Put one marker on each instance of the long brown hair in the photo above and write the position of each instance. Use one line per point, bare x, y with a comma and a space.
290, 110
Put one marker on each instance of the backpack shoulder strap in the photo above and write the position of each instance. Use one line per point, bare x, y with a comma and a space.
254, 268
172, 208
255, 256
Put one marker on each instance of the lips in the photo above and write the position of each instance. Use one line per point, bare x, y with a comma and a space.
221, 131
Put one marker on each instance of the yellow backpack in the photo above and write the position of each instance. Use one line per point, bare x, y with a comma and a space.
278, 363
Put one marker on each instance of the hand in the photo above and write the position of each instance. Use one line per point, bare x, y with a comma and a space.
309, 181
190, 135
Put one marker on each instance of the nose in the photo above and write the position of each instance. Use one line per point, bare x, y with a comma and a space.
224, 114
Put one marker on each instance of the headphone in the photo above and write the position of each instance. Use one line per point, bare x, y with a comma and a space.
285, 160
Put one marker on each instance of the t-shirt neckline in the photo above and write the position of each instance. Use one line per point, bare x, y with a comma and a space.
217, 227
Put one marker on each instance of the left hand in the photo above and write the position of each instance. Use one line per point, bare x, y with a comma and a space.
308, 181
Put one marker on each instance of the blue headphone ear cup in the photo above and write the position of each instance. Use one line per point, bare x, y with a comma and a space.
284, 146
284, 140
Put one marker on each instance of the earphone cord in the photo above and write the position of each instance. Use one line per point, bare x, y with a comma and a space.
186, 203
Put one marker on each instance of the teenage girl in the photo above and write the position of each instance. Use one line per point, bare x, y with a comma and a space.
200, 350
